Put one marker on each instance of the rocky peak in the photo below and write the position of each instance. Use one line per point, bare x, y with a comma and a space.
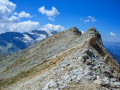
75, 31
93, 33
65, 61
92, 28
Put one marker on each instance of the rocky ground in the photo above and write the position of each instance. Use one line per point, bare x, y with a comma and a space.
68, 60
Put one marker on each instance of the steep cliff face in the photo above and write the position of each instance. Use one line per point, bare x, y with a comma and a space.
68, 60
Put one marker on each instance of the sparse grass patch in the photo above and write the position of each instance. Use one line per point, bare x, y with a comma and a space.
8, 82
43, 66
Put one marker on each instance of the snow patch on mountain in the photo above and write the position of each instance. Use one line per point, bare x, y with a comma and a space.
27, 38
14, 41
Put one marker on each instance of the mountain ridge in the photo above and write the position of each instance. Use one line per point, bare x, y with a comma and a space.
60, 61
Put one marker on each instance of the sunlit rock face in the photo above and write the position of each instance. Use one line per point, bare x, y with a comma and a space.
68, 60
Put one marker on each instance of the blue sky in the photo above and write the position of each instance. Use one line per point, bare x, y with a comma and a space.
104, 15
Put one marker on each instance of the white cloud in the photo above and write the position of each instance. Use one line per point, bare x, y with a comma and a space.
15, 13
23, 14
112, 34
25, 26
6, 7
51, 19
50, 13
13, 19
92, 18
9, 19
87, 20
53, 27
82, 31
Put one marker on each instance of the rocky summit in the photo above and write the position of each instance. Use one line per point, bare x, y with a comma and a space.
68, 60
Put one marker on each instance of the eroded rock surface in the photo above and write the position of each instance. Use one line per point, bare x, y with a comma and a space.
65, 61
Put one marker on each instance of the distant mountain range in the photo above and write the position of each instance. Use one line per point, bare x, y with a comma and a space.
114, 49
113, 46
115, 56
11, 42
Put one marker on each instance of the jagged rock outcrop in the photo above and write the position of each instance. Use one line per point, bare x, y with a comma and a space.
65, 61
